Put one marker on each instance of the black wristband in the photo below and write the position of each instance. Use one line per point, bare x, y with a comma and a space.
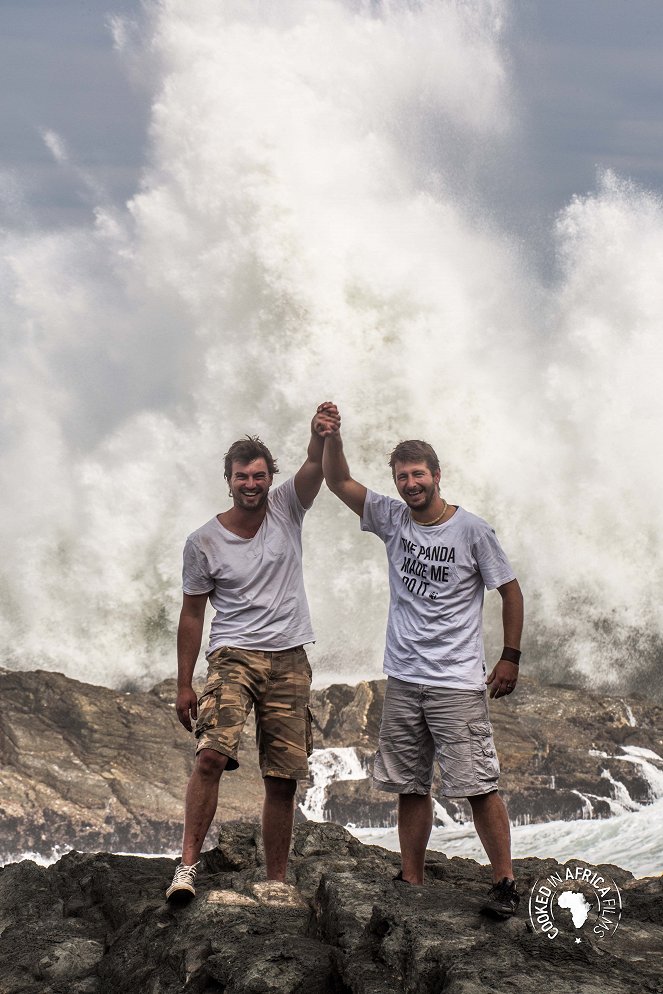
511, 655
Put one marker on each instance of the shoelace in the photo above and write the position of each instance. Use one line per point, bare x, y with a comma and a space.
185, 871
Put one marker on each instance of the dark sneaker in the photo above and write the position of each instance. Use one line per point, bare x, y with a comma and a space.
183, 889
503, 899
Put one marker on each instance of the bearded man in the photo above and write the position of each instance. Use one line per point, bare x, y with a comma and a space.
247, 561
441, 557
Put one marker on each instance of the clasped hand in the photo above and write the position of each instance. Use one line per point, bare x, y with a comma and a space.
327, 420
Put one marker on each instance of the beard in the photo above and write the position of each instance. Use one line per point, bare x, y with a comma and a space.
422, 500
255, 503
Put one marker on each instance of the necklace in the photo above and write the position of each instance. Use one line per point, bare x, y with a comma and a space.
435, 520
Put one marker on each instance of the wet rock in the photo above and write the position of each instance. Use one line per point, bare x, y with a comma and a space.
344, 926
91, 768
564, 753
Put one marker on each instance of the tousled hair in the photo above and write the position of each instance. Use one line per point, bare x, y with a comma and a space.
244, 451
414, 450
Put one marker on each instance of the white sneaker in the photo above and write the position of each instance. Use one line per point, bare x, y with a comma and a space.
183, 889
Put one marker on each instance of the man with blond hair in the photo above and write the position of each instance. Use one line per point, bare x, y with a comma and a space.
440, 558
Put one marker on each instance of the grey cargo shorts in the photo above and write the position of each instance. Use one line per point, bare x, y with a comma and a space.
421, 723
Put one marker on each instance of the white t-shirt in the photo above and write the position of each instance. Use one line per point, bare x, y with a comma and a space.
437, 576
255, 584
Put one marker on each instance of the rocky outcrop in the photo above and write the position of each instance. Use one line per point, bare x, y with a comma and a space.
565, 753
93, 768
98, 924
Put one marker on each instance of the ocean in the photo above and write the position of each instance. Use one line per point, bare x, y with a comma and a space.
631, 840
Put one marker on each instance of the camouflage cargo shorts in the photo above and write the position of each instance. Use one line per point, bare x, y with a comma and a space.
278, 684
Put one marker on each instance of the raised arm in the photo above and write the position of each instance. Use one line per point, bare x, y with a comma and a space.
337, 474
308, 478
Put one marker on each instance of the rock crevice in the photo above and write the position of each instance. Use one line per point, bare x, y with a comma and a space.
98, 924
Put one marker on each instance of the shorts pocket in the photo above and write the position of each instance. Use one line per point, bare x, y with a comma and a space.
485, 765
208, 715
301, 665
301, 680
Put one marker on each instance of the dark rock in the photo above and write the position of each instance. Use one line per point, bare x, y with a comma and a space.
347, 716
353, 802
93, 768
560, 749
345, 927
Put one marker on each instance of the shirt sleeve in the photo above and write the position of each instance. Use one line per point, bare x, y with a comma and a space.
378, 516
284, 499
491, 560
196, 577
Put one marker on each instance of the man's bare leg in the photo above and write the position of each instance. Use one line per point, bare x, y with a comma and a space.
202, 795
415, 821
278, 814
492, 824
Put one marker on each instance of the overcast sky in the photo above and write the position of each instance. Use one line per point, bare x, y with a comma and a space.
588, 75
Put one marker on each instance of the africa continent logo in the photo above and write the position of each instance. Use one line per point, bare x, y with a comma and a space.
575, 900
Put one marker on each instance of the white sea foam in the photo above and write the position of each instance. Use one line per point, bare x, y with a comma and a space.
325, 766
314, 220
622, 800
56, 854
442, 816
640, 751
631, 840
587, 807
652, 773
41, 859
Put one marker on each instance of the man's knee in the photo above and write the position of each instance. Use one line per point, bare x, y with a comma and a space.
211, 764
280, 788
484, 802
414, 800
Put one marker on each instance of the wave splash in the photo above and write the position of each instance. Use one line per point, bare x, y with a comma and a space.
314, 220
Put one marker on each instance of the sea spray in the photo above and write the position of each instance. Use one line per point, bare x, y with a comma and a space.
326, 766
313, 220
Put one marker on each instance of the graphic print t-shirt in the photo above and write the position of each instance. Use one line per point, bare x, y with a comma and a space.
437, 577
255, 584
